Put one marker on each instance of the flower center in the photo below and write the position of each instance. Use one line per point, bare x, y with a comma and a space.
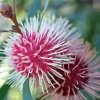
74, 79
28, 54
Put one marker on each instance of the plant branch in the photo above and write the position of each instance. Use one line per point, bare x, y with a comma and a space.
14, 19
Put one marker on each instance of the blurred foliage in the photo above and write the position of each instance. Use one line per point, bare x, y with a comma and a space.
3, 91
33, 9
13, 94
84, 14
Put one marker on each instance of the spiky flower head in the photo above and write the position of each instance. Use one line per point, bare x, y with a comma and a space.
84, 76
39, 51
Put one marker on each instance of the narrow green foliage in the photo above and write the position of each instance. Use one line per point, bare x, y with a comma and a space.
26, 91
3, 91
46, 5
44, 10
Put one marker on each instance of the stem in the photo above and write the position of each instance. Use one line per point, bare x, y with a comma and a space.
3, 31
14, 19
16, 24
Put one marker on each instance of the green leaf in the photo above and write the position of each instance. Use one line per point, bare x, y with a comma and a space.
26, 91
36, 5
3, 91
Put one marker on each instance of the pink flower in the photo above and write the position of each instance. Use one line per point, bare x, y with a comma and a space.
84, 75
39, 51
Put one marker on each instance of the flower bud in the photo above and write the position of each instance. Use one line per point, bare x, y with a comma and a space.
6, 10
